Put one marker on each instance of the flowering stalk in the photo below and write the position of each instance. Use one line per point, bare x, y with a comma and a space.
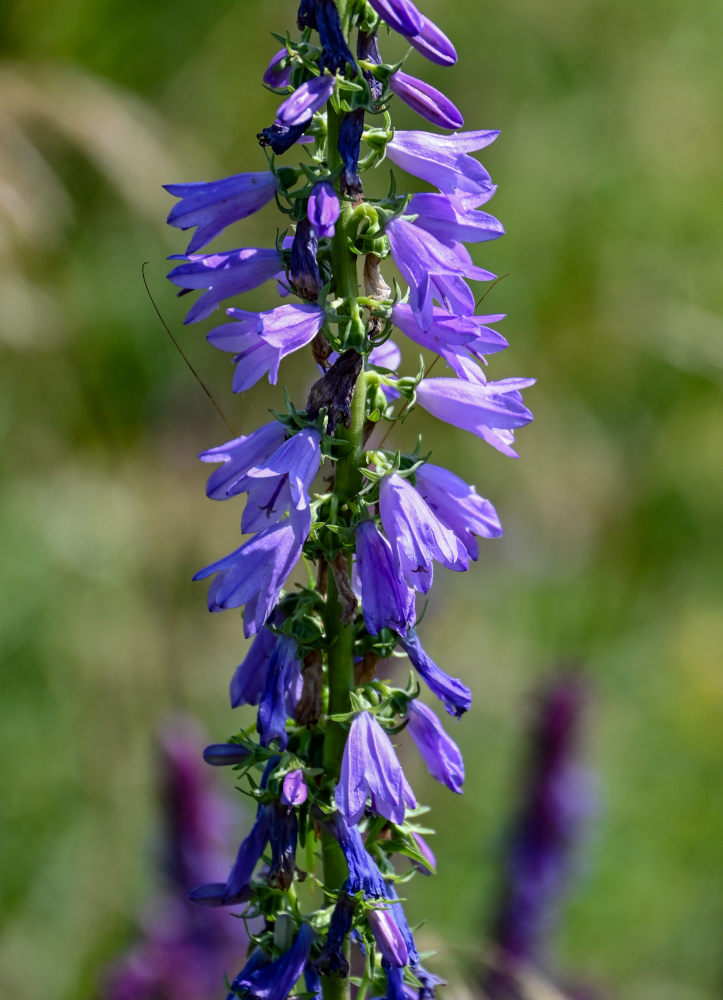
323, 769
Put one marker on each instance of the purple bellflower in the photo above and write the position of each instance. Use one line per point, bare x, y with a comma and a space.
450, 222
458, 505
281, 484
432, 42
433, 270
294, 790
247, 683
401, 15
426, 100
275, 980
276, 76
401, 921
253, 575
475, 406
323, 209
261, 340
418, 536
283, 669
388, 936
439, 752
442, 160
364, 875
454, 338
224, 275
387, 600
370, 768
213, 206
456, 696
306, 99
238, 456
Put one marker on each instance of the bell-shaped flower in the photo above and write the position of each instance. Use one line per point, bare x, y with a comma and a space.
323, 209
294, 790
387, 600
275, 980
370, 769
426, 100
451, 222
443, 160
454, 338
388, 937
253, 575
416, 534
456, 696
247, 683
282, 484
432, 42
238, 456
275, 75
476, 406
458, 505
282, 671
306, 99
223, 275
400, 919
261, 340
432, 270
439, 751
213, 206
401, 15
364, 875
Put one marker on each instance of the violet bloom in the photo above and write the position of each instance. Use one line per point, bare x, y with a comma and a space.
475, 406
294, 790
439, 751
323, 209
452, 337
253, 575
400, 919
387, 600
450, 222
456, 696
280, 137
247, 683
282, 484
224, 275
261, 340
388, 937
277, 76
442, 160
213, 206
401, 15
306, 99
426, 100
370, 768
283, 670
432, 270
275, 980
432, 42
364, 876
458, 505
238, 456
416, 534
335, 54
303, 269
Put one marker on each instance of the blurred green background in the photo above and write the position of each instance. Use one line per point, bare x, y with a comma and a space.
609, 169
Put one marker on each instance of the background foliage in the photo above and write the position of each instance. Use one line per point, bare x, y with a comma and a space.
609, 171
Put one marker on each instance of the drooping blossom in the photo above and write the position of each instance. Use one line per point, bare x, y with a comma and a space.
306, 99
432, 42
451, 222
275, 75
223, 275
282, 671
213, 206
401, 15
388, 937
458, 505
238, 456
387, 599
417, 536
454, 338
443, 161
426, 100
439, 751
456, 696
323, 209
335, 53
370, 769
253, 575
476, 406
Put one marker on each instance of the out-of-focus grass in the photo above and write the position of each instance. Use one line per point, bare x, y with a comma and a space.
609, 167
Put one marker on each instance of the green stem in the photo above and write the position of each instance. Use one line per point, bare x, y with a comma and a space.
347, 483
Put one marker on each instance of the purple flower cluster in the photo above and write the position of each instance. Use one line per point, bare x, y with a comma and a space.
371, 522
